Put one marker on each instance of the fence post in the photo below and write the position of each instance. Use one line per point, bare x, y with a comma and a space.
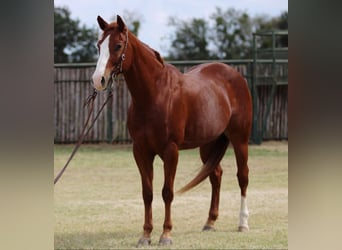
255, 128
273, 89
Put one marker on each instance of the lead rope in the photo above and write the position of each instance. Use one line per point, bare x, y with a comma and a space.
89, 101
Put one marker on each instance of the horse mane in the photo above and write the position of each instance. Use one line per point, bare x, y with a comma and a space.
154, 52
159, 58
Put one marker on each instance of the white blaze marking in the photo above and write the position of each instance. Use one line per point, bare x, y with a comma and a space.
101, 63
244, 213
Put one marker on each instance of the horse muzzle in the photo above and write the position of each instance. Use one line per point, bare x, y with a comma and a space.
102, 82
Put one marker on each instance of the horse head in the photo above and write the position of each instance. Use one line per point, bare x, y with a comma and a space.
112, 47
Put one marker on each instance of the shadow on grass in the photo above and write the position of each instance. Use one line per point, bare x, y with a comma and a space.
95, 240
124, 240
220, 239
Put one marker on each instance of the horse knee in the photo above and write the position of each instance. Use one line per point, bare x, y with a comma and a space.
147, 196
167, 194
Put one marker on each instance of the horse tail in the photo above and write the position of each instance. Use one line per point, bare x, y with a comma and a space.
216, 155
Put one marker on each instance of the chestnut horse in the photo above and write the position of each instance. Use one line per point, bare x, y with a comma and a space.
206, 107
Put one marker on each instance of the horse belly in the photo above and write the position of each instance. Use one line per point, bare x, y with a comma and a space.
208, 118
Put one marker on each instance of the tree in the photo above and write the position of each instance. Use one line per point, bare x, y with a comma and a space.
226, 35
283, 24
231, 34
275, 23
72, 42
190, 39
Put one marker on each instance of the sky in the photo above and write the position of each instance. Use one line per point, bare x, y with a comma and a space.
154, 30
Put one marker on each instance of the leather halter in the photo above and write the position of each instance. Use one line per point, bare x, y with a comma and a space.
118, 67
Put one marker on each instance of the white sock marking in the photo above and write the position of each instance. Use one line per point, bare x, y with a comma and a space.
244, 213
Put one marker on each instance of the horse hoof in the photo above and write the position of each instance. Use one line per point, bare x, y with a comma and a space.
208, 228
165, 241
243, 229
143, 241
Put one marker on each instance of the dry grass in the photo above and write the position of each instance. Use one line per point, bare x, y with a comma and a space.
98, 203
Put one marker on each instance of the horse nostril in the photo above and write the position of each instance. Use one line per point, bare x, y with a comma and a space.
103, 81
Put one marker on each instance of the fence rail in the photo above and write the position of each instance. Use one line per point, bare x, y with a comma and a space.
72, 85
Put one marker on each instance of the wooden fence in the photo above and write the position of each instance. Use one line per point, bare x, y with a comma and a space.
276, 127
72, 84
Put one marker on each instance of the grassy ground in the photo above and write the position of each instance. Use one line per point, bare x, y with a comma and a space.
98, 202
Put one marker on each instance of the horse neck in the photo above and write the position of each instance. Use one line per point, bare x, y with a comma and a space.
143, 73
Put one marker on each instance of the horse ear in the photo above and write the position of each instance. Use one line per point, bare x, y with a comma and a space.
120, 23
102, 23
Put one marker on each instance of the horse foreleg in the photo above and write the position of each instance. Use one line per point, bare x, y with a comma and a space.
145, 165
170, 158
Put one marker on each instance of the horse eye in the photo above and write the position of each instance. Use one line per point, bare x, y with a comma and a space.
117, 47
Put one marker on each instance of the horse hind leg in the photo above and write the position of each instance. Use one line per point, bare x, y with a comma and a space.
241, 154
215, 180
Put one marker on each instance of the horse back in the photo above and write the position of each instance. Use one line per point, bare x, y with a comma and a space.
232, 85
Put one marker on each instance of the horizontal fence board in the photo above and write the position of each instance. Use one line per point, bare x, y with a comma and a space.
72, 85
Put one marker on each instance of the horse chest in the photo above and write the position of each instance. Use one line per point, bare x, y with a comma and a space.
148, 127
